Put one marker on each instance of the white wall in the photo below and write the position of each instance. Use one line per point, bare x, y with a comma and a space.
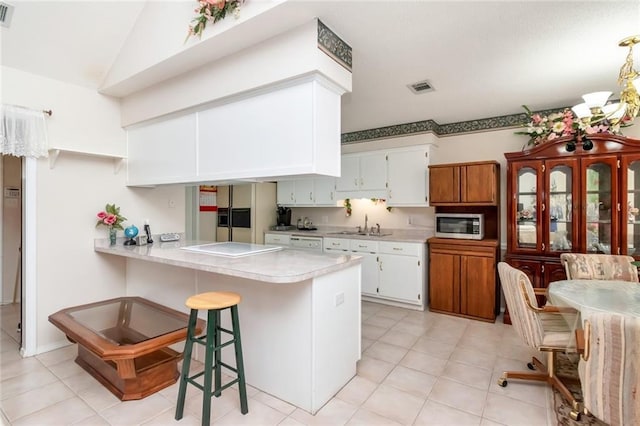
281, 58
11, 208
68, 271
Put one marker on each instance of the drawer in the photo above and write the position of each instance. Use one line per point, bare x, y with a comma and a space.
336, 244
277, 239
364, 246
409, 249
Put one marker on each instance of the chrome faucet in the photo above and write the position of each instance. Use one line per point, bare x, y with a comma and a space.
366, 220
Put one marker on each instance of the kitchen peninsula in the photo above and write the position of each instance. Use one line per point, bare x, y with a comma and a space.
300, 310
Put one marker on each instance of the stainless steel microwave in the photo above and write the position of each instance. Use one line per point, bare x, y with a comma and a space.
468, 226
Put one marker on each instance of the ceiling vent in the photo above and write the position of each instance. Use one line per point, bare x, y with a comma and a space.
421, 87
6, 12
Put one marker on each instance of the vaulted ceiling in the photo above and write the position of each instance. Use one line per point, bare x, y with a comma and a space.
484, 59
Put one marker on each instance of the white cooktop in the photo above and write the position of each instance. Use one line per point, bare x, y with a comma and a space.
232, 249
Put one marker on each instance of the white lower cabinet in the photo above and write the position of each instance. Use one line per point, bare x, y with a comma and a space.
369, 252
391, 271
277, 239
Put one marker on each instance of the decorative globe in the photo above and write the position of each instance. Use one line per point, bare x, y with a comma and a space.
131, 231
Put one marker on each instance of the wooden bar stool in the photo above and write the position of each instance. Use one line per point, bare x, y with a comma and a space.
214, 303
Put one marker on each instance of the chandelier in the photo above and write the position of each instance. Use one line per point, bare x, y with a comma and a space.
595, 110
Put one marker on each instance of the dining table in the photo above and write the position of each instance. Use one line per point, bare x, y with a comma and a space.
587, 296
590, 296
608, 369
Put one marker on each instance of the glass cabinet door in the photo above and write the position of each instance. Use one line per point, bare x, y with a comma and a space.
630, 205
560, 220
526, 211
600, 205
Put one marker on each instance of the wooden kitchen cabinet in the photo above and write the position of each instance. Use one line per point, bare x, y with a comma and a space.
464, 184
463, 278
580, 201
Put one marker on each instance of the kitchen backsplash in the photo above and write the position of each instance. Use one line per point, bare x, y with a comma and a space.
397, 218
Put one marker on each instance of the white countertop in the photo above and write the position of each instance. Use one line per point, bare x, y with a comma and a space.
283, 266
397, 235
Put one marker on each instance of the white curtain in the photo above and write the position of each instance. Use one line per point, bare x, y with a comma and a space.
23, 132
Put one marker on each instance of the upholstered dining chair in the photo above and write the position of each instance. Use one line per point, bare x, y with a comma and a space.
610, 368
544, 329
591, 266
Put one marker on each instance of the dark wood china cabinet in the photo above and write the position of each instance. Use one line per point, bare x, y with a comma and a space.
584, 201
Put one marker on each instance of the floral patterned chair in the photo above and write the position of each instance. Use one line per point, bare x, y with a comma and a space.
610, 368
581, 266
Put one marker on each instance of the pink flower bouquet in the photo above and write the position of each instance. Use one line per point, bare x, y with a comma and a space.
111, 217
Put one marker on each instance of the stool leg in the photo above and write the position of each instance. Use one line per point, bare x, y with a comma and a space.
218, 356
244, 408
208, 366
186, 363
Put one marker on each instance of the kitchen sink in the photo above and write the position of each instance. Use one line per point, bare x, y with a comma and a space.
363, 234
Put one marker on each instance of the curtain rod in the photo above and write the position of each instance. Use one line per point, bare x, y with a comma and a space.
44, 111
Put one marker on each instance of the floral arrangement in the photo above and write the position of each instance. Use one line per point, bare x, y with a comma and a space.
111, 217
544, 128
212, 11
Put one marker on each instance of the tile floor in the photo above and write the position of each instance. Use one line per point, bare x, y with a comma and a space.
417, 368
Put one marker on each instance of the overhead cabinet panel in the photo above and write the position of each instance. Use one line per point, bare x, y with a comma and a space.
289, 130
269, 133
162, 152
293, 130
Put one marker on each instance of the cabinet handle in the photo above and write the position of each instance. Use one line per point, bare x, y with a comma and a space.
291, 196
542, 268
398, 248
380, 264
355, 181
311, 196
618, 206
331, 195
618, 250
543, 207
335, 244
361, 182
543, 249
361, 246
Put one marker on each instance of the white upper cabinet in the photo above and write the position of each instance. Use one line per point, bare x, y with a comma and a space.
289, 130
162, 152
317, 192
303, 192
363, 175
407, 176
284, 193
325, 191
